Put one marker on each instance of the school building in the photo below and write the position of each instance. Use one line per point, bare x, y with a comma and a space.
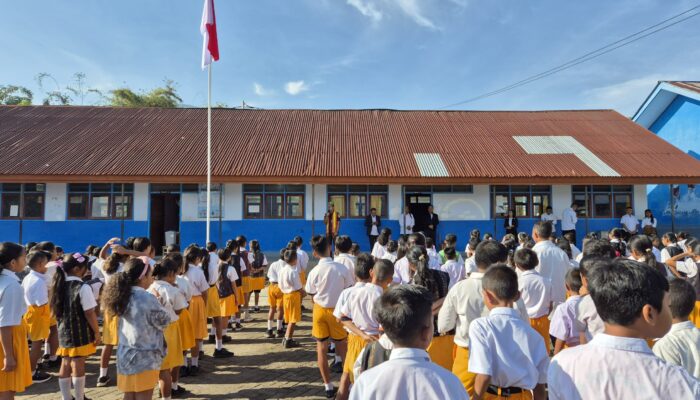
80, 175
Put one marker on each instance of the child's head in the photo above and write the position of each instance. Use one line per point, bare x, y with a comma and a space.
12, 257
523, 237
471, 247
193, 256
489, 252
74, 264
37, 260
542, 230
681, 299
363, 265
384, 236
290, 257
475, 234
500, 286
573, 281
355, 249
633, 295
642, 250
598, 248
343, 243
292, 245
179, 260
48, 247
142, 244
586, 266
172, 248
241, 241
669, 238
71, 265
682, 236
405, 313
211, 247
59, 251
255, 245
450, 240
525, 259
429, 242
321, 246
165, 270
565, 245
299, 241
382, 273
450, 253
224, 255
392, 246
117, 293
569, 236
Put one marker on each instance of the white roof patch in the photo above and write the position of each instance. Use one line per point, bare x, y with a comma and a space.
431, 165
565, 145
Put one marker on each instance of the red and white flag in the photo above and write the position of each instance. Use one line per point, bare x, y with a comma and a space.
210, 47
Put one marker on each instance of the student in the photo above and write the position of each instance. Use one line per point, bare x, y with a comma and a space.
587, 322
16, 373
258, 262
73, 304
173, 302
391, 248
553, 261
142, 321
184, 320
641, 250
469, 263
649, 223
562, 326
449, 241
38, 316
210, 268
274, 297
506, 354
226, 289
575, 252
688, 270
325, 283
245, 277
354, 249
302, 258
379, 247
569, 218
616, 237
405, 313
452, 267
536, 292
682, 238
681, 345
433, 256
632, 299
342, 247
199, 287
548, 216
111, 266
50, 358
240, 296
292, 291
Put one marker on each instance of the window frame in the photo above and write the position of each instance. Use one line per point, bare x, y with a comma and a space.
23, 192
268, 191
612, 191
527, 191
114, 190
346, 192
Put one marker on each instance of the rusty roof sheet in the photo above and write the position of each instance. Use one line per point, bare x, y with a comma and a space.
78, 144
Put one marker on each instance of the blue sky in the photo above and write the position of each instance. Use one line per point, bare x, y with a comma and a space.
404, 54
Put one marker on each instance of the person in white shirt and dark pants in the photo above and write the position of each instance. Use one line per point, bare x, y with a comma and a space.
568, 220
372, 223
406, 221
629, 223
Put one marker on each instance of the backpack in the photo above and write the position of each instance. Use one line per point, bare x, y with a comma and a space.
373, 355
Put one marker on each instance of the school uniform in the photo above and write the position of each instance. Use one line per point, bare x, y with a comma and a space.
681, 346
553, 265
402, 273
343, 298
172, 301
378, 250
198, 311
563, 324
245, 271
470, 266
257, 279
274, 294
325, 283
389, 256
213, 308
614, 367
185, 319
587, 319
36, 297
75, 337
507, 349
536, 293
455, 270
227, 298
550, 218
110, 322
239, 267
630, 223
433, 259
347, 260
290, 286
302, 264
407, 375
12, 309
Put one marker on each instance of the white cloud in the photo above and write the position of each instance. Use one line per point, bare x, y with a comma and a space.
376, 9
625, 97
367, 8
295, 87
413, 10
260, 90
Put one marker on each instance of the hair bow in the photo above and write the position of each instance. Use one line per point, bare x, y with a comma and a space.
79, 257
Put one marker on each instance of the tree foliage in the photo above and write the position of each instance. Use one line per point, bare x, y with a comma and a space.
164, 96
14, 95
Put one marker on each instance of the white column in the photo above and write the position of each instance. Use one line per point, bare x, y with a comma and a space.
56, 197
395, 202
561, 199
321, 202
233, 202
640, 200
141, 201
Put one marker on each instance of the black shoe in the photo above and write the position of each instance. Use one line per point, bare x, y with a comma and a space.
103, 381
184, 371
212, 339
39, 376
303, 308
238, 326
201, 353
223, 353
337, 367
280, 333
226, 339
290, 343
49, 364
194, 370
330, 352
256, 309
178, 392
330, 394
270, 334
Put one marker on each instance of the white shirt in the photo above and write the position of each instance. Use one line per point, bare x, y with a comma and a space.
274, 269
408, 375
455, 270
551, 218
506, 348
35, 286
612, 367
231, 274
12, 305
197, 280
327, 280
96, 271
289, 279
402, 273
630, 222
433, 258
359, 306
536, 292
213, 268
184, 286
575, 252
347, 260
688, 267
568, 219
665, 255
251, 259
384, 341
344, 296
554, 264
169, 297
87, 298
373, 230
647, 222
657, 254
302, 260
408, 225
470, 266
378, 250
681, 346
389, 256
587, 319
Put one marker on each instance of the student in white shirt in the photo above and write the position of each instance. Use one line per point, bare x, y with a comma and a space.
406, 221
379, 247
342, 246
569, 219
681, 345
391, 248
405, 313
553, 261
38, 316
450, 241
548, 215
302, 258
633, 301
274, 297
452, 267
649, 223
629, 222
197, 309
469, 263
536, 292
290, 285
433, 256
562, 327
506, 354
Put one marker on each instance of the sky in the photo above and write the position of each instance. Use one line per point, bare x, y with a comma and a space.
337, 54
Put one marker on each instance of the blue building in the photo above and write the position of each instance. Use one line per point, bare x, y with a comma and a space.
672, 111
81, 175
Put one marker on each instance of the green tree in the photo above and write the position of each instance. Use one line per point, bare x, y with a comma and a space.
81, 91
58, 96
164, 96
15, 95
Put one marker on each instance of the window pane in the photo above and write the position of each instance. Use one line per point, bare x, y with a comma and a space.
34, 187
541, 189
77, 206
253, 206
10, 205
358, 205
274, 188
171, 188
295, 206
442, 189
247, 188
501, 204
274, 206
337, 188
33, 205
601, 205
580, 200
128, 187
601, 188
101, 187
520, 188
418, 189
338, 200
462, 189
78, 187
521, 205
622, 201
99, 206
357, 188
622, 188
188, 187
122, 206
378, 188
578, 188
295, 188
378, 201
540, 202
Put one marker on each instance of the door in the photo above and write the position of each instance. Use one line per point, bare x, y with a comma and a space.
165, 216
418, 204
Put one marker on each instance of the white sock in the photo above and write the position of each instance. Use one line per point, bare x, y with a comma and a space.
328, 386
79, 386
47, 349
212, 330
64, 385
53, 357
338, 359
195, 361
103, 372
269, 324
174, 386
279, 324
219, 344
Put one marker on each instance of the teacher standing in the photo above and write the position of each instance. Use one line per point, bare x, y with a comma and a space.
332, 221
431, 224
372, 223
511, 223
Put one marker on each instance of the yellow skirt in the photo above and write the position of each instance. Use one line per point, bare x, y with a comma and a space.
199, 318
82, 351
274, 295
257, 283
695, 315
186, 330
460, 368
228, 306
173, 355
240, 296
292, 307
245, 282
38, 322
302, 276
21, 377
110, 329
213, 307
541, 325
440, 351
355, 346
140, 382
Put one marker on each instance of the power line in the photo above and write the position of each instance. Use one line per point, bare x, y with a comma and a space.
660, 26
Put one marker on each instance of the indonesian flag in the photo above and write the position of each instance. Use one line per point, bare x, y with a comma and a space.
210, 47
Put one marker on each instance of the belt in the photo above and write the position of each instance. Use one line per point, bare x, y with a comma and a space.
273, 283
504, 392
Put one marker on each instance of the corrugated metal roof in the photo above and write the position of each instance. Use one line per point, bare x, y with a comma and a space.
47, 143
430, 164
565, 145
689, 85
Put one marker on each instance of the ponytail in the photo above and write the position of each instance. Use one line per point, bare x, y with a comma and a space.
224, 261
112, 263
641, 244
118, 291
206, 257
192, 253
67, 265
418, 257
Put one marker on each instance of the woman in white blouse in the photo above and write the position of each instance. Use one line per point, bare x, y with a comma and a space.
649, 223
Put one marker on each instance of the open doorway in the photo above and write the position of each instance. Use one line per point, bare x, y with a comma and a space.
418, 204
165, 217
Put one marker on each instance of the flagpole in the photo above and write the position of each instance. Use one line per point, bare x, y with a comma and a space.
209, 153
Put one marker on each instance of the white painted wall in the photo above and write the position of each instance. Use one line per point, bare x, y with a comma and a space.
188, 207
320, 203
463, 206
395, 202
141, 201
56, 197
233, 202
640, 200
561, 199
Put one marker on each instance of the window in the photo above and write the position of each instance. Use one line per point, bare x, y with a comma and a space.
604, 201
356, 201
439, 188
525, 201
273, 201
22, 200
100, 200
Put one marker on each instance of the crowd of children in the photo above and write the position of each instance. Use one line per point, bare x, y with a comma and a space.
529, 317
